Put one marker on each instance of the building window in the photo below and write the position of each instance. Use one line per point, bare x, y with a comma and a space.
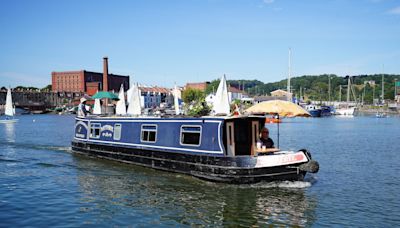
117, 131
191, 135
95, 130
148, 133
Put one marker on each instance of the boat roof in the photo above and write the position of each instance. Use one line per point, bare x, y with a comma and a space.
174, 117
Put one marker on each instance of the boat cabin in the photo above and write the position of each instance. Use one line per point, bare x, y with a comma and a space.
242, 135
217, 136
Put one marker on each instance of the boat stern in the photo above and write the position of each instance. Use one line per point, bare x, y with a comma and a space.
301, 160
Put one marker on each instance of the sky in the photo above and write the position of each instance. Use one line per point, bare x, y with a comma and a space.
160, 42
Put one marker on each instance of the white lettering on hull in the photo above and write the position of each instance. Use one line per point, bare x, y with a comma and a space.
280, 159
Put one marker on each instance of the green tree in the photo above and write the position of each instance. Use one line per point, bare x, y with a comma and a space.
190, 95
46, 88
195, 104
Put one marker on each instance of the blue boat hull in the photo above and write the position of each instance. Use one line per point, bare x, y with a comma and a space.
234, 170
326, 111
315, 113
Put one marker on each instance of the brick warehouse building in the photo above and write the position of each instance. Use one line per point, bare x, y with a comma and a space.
88, 82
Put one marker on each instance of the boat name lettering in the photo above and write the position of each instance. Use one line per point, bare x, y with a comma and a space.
277, 160
80, 135
106, 134
107, 128
292, 158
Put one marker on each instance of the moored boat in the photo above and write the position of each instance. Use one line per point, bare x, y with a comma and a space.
219, 149
346, 111
326, 111
314, 110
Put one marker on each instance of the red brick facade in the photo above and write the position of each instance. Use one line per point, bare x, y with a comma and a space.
200, 85
86, 81
68, 81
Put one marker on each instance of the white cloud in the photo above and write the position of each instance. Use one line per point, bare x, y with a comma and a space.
395, 10
269, 1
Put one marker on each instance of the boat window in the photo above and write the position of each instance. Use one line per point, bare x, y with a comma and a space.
149, 133
95, 130
117, 131
191, 135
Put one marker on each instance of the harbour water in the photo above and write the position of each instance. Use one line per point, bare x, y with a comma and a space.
43, 184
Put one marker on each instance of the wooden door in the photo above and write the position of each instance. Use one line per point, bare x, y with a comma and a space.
230, 138
254, 135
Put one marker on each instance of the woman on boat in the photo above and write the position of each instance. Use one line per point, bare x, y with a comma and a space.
265, 140
82, 111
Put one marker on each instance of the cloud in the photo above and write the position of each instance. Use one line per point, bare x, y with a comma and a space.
269, 1
395, 11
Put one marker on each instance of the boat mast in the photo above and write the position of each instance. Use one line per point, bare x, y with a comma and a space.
288, 82
383, 84
329, 92
348, 91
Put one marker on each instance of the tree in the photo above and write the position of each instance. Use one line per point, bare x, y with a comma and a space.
190, 95
195, 104
47, 88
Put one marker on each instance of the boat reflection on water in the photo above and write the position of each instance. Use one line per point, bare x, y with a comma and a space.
9, 130
136, 195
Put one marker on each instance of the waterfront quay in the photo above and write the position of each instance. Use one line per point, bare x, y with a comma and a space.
39, 102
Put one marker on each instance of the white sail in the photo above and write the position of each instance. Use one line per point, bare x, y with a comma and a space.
176, 102
121, 107
129, 93
97, 107
134, 107
221, 100
9, 110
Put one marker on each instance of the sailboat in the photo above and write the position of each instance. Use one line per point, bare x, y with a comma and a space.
9, 109
97, 107
221, 99
347, 111
121, 107
134, 107
176, 101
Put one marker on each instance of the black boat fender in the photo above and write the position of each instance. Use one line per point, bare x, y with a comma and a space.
311, 166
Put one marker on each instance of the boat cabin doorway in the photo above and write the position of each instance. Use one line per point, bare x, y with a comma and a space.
242, 135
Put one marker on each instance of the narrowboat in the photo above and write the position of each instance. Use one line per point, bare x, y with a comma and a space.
214, 148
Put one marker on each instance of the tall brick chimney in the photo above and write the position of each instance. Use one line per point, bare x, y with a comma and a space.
105, 73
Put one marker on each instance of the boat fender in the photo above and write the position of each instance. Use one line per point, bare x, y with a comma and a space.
311, 166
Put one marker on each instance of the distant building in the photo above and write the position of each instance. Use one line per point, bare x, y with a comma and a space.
371, 83
233, 94
236, 94
88, 82
198, 85
152, 97
280, 93
259, 99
